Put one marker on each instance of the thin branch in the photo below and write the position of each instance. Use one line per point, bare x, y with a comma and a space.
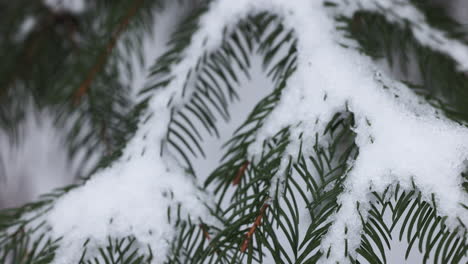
250, 233
240, 173
205, 232
102, 60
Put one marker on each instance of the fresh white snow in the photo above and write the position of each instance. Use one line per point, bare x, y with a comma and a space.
400, 138
402, 12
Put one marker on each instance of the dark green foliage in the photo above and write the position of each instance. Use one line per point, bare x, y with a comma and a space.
404, 215
215, 76
48, 66
117, 251
438, 18
434, 75
255, 224
301, 188
24, 237
246, 203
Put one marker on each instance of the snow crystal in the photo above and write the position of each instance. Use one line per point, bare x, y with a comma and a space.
409, 142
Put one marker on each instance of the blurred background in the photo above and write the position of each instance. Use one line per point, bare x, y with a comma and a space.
69, 74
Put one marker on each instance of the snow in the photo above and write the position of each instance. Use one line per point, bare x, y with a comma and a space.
403, 12
128, 199
132, 197
73, 6
409, 140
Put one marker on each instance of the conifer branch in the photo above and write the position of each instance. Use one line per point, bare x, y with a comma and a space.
310, 185
104, 56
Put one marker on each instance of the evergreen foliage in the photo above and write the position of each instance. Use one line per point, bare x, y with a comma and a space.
70, 63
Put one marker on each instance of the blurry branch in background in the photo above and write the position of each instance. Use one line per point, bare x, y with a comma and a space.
102, 59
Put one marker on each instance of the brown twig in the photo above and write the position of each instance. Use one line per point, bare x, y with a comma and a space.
240, 173
102, 59
250, 233
205, 232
